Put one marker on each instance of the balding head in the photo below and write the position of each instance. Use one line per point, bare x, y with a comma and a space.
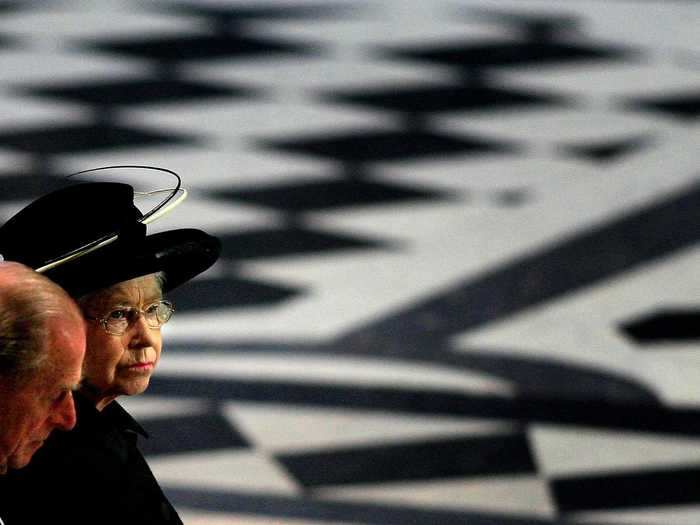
42, 344
28, 300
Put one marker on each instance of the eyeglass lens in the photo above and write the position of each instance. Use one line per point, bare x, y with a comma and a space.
156, 314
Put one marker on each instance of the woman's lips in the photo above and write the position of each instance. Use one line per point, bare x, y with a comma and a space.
140, 366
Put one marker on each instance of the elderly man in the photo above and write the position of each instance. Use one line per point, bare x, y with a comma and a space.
42, 344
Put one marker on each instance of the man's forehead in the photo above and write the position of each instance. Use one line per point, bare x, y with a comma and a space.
55, 379
66, 349
53, 376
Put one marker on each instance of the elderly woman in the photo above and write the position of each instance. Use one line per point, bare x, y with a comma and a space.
95, 473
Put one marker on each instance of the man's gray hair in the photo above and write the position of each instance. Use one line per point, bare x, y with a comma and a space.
28, 300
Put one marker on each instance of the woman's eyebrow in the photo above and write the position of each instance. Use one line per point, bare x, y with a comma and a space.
153, 295
118, 304
148, 299
117, 297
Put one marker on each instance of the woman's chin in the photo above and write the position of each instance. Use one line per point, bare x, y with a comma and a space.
134, 385
135, 379
138, 387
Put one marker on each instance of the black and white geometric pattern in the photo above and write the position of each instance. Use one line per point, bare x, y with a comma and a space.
459, 282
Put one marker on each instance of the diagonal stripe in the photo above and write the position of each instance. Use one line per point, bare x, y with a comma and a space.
638, 489
590, 413
201, 432
458, 457
359, 513
533, 376
618, 246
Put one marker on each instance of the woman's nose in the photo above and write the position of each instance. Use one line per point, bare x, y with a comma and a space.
141, 334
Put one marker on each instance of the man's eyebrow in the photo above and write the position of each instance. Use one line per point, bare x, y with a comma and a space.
73, 387
64, 389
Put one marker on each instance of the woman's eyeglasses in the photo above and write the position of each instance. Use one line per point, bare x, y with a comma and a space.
117, 321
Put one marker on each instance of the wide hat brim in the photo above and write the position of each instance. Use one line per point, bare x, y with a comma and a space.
67, 220
179, 254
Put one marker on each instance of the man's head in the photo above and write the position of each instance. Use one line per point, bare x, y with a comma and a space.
42, 344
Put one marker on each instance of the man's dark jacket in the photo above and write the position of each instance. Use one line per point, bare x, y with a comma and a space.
91, 474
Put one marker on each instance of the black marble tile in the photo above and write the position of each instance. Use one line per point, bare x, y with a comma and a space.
14, 7
627, 490
329, 195
606, 151
664, 325
684, 107
205, 294
475, 55
454, 457
8, 6
437, 99
8, 43
85, 138
536, 25
377, 146
245, 13
285, 242
135, 92
197, 47
189, 433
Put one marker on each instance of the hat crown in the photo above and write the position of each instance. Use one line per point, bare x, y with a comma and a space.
68, 219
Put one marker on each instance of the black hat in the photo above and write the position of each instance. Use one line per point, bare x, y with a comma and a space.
68, 220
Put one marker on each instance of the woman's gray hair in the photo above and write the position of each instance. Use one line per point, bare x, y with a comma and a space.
161, 279
84, 301
28, 300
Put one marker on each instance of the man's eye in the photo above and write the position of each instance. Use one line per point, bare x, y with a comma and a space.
62, 396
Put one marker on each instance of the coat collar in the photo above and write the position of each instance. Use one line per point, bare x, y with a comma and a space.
113, 415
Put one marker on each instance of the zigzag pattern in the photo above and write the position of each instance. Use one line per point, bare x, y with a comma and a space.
459, 278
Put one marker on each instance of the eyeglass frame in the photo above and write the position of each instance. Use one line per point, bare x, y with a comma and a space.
141, 312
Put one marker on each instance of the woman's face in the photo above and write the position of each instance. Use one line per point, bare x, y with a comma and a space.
121, 364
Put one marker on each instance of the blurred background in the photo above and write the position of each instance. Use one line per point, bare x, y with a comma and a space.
459, 282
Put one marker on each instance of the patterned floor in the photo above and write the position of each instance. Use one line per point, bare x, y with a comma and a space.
459, 282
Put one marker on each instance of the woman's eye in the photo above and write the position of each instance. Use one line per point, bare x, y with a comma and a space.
152, 309
119, 314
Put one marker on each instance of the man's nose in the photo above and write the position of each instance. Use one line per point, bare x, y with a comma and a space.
64, 417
